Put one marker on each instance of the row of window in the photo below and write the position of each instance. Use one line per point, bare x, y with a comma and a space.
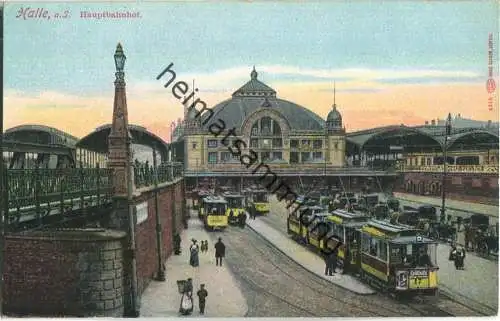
274, 143
316, 143
266, 127
266, 143
296, 157
225, 157
462, 160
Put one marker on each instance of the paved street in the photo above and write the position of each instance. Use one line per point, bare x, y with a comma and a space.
276, 286
308, 259
162, 299
467, 287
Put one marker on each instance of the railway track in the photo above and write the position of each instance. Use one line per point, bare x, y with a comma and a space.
343, 303
444, 306
418, 304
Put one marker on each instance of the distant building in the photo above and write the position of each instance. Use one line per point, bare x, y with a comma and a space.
459, 122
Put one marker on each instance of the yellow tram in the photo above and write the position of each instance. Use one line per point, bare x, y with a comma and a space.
201, 208
398, 259
235, 205
258, 201
341, 226
215, 213
298, 221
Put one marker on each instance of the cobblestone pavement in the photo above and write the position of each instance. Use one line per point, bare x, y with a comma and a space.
277, 220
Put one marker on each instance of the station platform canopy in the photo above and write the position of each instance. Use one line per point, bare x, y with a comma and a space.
40, 135
419, 139
97, 141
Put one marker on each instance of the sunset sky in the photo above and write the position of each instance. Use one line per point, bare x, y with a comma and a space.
393, 63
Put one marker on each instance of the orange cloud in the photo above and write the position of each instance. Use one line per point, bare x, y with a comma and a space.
156, 109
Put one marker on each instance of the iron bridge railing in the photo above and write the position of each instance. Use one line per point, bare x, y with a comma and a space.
33, 194
144, 174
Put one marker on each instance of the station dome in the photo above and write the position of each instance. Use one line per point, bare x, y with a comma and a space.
255, 95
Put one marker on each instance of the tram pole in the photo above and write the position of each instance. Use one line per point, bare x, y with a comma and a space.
160, 276
445, 163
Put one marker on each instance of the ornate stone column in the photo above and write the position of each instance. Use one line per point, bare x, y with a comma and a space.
120, 160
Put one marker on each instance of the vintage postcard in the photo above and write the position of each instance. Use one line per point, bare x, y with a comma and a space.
249, 159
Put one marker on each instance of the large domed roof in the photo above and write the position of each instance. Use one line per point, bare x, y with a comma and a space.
255, 95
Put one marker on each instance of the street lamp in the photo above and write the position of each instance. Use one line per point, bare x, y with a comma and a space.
445, 150
133, 310
119, 58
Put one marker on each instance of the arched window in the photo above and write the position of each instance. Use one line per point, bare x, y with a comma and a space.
266, 137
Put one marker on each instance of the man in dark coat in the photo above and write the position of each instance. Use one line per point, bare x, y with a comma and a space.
220, 252
326, 257
242, 218
177, 244
202, 297
332, 259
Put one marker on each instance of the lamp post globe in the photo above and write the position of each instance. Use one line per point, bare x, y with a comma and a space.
119, 58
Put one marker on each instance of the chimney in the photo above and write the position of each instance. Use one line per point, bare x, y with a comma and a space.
426, 123
433, 122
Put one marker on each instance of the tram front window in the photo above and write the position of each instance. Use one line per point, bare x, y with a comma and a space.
260, 198
218, 210
419, 255
234, 203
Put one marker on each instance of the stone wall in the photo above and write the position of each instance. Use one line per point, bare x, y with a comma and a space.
65, 272
169, 197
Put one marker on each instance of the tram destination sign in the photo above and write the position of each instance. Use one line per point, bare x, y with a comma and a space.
419, 273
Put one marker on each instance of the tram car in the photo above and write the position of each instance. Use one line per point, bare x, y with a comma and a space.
258, 201
215, 217
341, 227
298, 221
369, 200
235, 205
201, 197
396, 258
393, 203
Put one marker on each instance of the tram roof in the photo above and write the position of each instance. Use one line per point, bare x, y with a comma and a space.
214, 200
312, 207
232, 195
392, 228
348, 219
348, 215
413, 240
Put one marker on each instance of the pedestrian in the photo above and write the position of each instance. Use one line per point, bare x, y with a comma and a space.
231, 216
202, 297
332, 259
186, 307
177, 244
453, 252
220, 252
194, 250
328, 271
459, 259
253, 213
242, 219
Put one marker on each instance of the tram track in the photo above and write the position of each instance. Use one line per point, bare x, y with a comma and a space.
422, 305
